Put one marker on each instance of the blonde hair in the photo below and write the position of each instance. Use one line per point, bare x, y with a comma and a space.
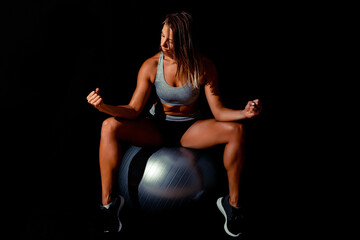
186, 54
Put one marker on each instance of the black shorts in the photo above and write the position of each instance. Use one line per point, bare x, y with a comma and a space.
172, 131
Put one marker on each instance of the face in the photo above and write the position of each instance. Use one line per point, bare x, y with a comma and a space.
167, 42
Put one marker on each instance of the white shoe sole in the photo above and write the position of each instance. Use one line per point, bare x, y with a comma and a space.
122, 201
222, 210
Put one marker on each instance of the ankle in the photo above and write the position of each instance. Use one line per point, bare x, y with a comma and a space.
106, 200
233, 203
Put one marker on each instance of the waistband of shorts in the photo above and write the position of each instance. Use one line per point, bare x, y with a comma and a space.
191, 117
176, 118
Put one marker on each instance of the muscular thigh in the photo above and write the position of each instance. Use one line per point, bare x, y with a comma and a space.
206, 133
140, 132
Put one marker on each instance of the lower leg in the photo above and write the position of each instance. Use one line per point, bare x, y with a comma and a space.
113, 132
233, 162
109, 158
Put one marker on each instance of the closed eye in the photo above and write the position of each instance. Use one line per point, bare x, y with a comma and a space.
169, 40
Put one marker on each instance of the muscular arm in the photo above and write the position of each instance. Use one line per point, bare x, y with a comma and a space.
138, 100
220, 112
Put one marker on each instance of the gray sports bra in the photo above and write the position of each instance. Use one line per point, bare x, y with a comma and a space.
175, 96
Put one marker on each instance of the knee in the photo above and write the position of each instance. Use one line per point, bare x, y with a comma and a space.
110, 126
236, 130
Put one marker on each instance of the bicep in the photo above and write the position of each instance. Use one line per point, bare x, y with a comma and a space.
212, 91
142, 90
213, 100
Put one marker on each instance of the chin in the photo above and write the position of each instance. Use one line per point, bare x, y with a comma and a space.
168, 52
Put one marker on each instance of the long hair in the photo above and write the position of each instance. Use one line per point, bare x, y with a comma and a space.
187, 57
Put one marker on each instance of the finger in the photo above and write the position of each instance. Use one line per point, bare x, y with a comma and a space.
92, 100
256, 109
257, 104
95, 99
90, 95
98, 102
253, 106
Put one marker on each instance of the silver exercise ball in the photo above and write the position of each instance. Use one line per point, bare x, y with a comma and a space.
165, 178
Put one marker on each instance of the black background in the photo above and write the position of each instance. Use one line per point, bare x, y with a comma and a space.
55, 52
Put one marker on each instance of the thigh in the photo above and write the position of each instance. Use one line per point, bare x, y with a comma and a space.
207, 133
140, 132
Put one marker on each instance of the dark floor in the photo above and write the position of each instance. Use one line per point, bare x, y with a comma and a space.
71, 218
202, 222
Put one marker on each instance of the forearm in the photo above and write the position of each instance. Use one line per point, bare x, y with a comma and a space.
229, 115
122, 111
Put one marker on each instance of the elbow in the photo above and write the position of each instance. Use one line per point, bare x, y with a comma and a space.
130, 113
135, 115
218, 116
128, 116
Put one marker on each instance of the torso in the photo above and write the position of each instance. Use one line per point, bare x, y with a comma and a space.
170, 68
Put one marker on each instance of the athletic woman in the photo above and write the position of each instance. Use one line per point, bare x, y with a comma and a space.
177, 72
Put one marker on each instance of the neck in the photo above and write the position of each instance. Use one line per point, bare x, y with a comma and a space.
169, 57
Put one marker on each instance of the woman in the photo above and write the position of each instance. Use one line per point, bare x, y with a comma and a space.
177, 72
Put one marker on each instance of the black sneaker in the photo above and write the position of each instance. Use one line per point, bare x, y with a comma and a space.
110, 217
233, 217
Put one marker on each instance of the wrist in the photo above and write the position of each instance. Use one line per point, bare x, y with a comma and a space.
243, 115
100, 107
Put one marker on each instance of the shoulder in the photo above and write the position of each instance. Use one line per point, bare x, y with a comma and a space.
151, 62
210, 76
149, 67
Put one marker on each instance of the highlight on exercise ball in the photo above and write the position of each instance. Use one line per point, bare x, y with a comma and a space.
161, 178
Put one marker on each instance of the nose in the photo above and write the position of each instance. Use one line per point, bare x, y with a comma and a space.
164, 43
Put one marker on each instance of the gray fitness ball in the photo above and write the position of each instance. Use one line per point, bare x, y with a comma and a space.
164, 178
